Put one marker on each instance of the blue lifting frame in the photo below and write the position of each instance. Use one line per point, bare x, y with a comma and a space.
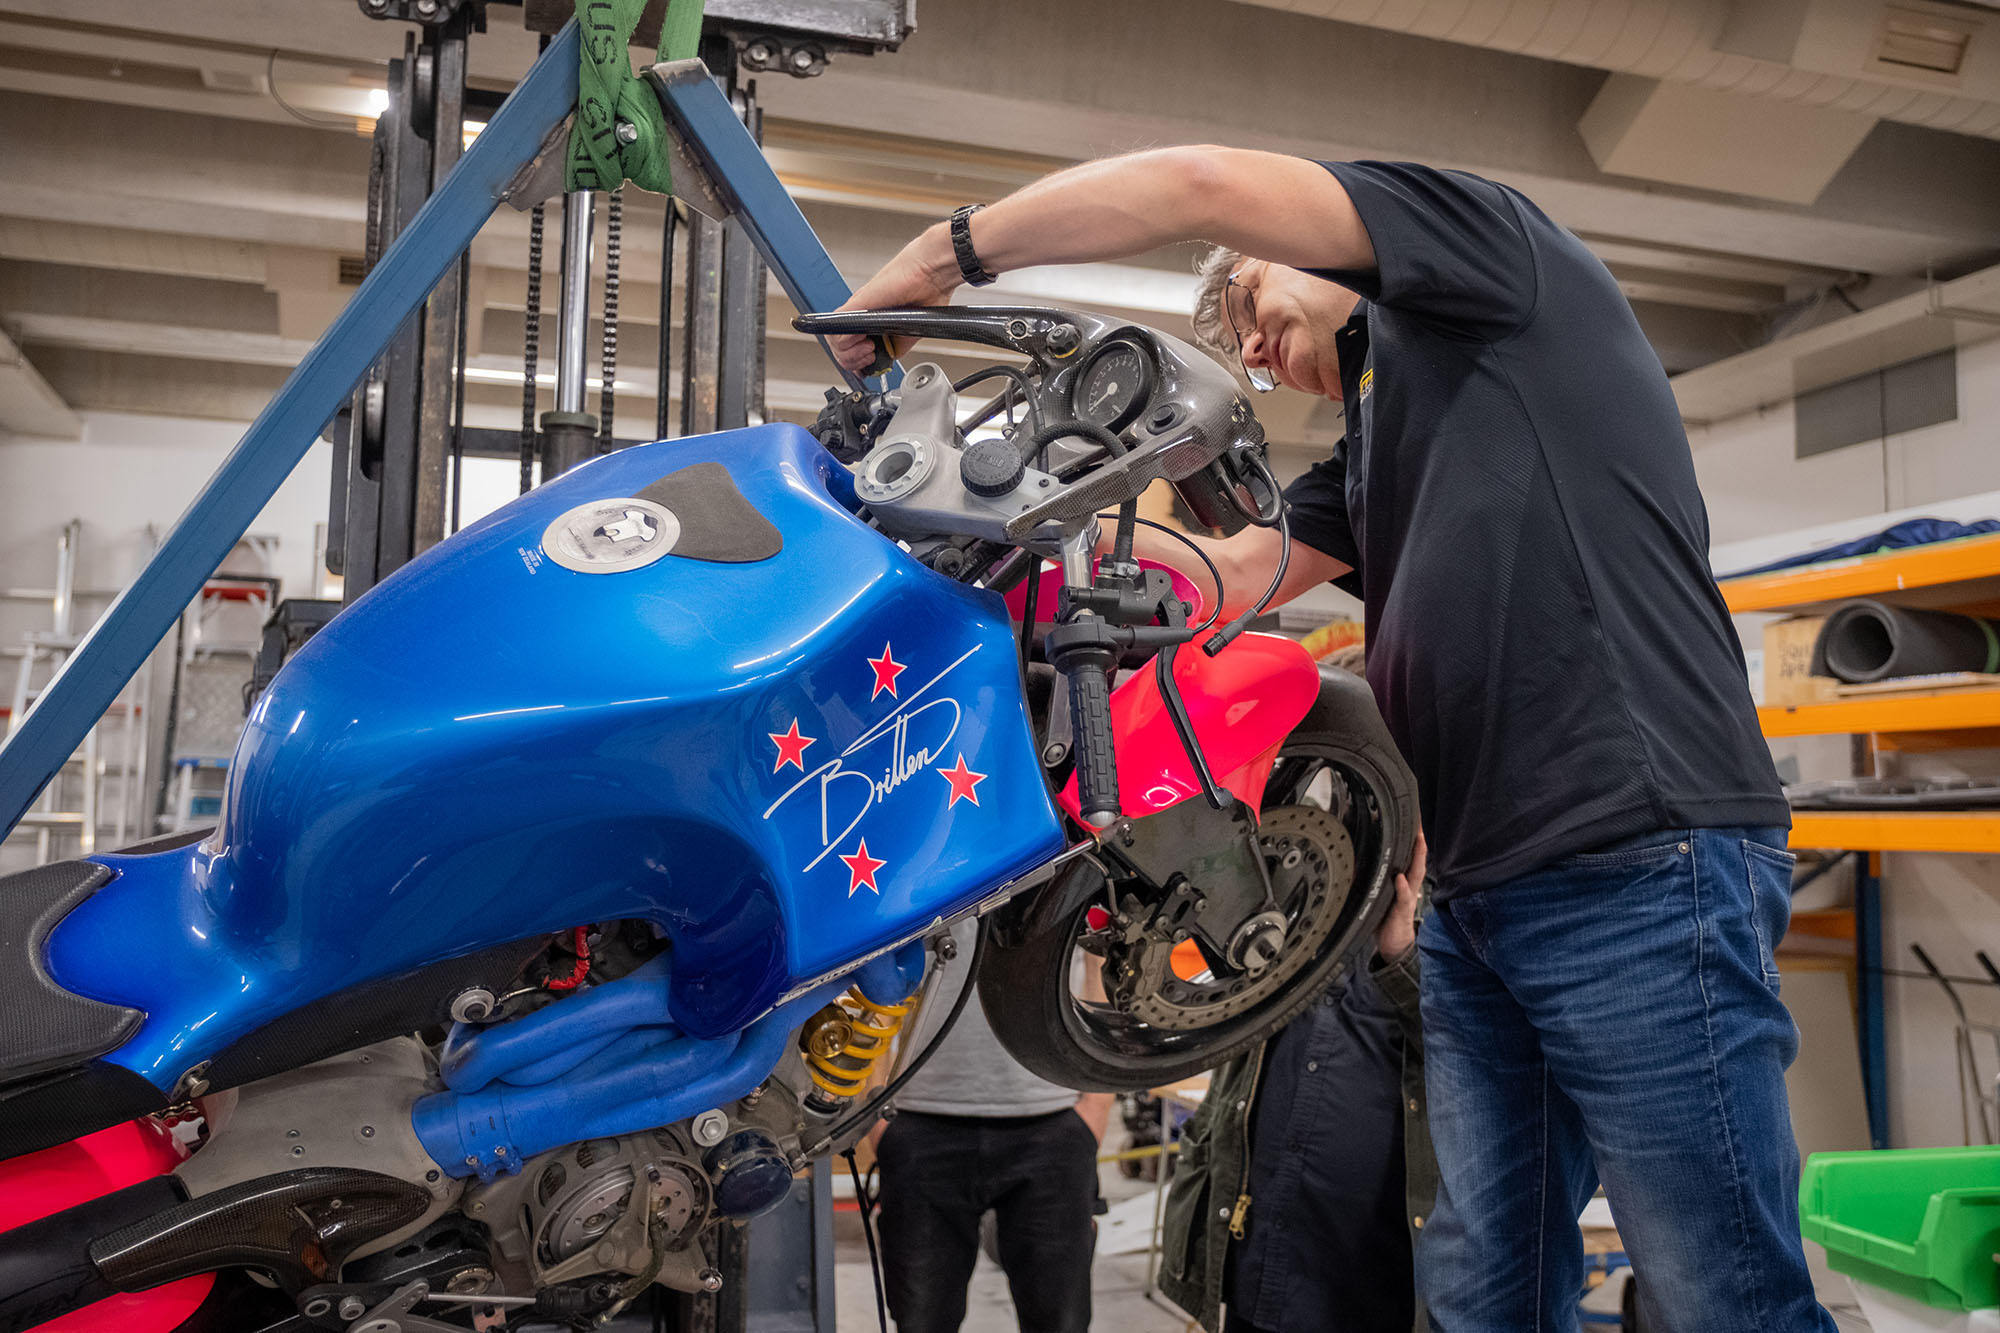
722, 151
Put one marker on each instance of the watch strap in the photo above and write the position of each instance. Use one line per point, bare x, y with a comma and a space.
969, 267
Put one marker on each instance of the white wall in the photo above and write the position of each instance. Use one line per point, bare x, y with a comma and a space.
1755, 487
1763, 503
124, 473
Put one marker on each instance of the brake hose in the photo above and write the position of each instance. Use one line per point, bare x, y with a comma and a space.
1055, 430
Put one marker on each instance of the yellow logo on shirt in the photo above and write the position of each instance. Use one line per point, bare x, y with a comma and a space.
1367, 383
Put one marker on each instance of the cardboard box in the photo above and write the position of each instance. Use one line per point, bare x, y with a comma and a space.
1788, 654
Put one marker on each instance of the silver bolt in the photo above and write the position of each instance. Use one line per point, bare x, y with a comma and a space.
947, 949
299, 1151
317, 1306
427, 7
368, 1131
709, 1127
500, 1152
469, 1006
351, 1307
627, 132
471, 1161
710, 1279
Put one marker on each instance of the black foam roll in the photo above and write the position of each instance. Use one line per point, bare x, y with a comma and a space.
1864, 641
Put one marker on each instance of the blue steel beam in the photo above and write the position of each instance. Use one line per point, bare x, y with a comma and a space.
402, 280
743, 182
746, 185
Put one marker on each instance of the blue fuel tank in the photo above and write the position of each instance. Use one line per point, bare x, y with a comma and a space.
682, 683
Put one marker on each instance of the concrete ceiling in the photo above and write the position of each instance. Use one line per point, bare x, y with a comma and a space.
170, 234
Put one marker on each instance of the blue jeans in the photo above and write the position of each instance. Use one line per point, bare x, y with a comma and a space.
1615, 1017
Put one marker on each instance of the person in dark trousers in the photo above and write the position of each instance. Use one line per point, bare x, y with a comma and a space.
1515, 503
975, 1132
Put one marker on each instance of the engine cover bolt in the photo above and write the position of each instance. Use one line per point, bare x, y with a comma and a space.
710, 1279
708, 1128
470, 1006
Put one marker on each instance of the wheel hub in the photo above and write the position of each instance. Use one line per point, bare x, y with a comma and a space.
1311, 863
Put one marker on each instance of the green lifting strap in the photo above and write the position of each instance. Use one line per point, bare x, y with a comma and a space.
609, 94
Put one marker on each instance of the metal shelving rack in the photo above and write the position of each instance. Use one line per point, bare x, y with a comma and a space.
1962, 575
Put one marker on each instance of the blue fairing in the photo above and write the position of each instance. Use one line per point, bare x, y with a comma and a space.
784, 764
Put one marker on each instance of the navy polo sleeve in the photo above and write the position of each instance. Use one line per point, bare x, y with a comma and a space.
1449, 247
1316, 507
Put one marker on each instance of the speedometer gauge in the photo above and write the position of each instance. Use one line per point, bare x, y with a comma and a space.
1114, 384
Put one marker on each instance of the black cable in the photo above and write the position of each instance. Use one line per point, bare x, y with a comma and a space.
1177, 713
1121, 545
608, 371
1214, 612
1242, 622
1030, 609
531, 348
1014, 377
1046, 435
458, 391
868, 1234
318, 122
895, 1085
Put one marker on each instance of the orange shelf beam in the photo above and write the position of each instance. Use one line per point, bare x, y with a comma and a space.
1898, 830
1939, 710
1889, 573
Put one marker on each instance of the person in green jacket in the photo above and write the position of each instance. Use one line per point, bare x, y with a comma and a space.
1306, 1173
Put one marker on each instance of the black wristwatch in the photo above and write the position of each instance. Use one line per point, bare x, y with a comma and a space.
969, 266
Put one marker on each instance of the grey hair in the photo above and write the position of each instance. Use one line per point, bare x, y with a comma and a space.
1211, 319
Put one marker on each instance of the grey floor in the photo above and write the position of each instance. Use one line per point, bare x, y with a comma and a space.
1118, 1300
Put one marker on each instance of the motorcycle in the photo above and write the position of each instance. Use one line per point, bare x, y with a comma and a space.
572, 886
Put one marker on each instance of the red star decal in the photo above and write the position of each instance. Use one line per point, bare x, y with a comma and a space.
964, 783
887, 668
791, 747
861, 868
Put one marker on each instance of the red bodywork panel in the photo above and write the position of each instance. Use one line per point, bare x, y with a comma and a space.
45, 1182
1243, 702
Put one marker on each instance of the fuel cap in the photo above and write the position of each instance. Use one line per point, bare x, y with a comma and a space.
991, 468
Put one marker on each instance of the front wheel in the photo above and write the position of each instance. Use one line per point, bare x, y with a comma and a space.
1339, 820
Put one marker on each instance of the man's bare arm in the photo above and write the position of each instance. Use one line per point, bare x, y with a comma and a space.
1245, 561
1283, 209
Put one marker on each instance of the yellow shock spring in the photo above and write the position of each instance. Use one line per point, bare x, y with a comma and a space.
843, 1041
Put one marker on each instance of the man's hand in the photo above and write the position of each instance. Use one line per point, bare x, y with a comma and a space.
1398, 930
914, 277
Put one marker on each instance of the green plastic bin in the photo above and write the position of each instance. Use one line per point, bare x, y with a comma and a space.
1921, 1222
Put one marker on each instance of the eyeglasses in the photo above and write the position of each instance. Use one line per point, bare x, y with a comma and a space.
1240, 304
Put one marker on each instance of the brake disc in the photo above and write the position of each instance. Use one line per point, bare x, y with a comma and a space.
1311, 861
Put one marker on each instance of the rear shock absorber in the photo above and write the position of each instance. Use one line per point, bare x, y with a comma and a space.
844, 1042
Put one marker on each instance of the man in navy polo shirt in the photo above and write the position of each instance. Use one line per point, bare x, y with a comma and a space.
1515, 503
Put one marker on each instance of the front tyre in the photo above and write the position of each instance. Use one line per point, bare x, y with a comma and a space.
1340, 814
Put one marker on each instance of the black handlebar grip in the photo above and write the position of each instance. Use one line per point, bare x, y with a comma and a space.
1096, 757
